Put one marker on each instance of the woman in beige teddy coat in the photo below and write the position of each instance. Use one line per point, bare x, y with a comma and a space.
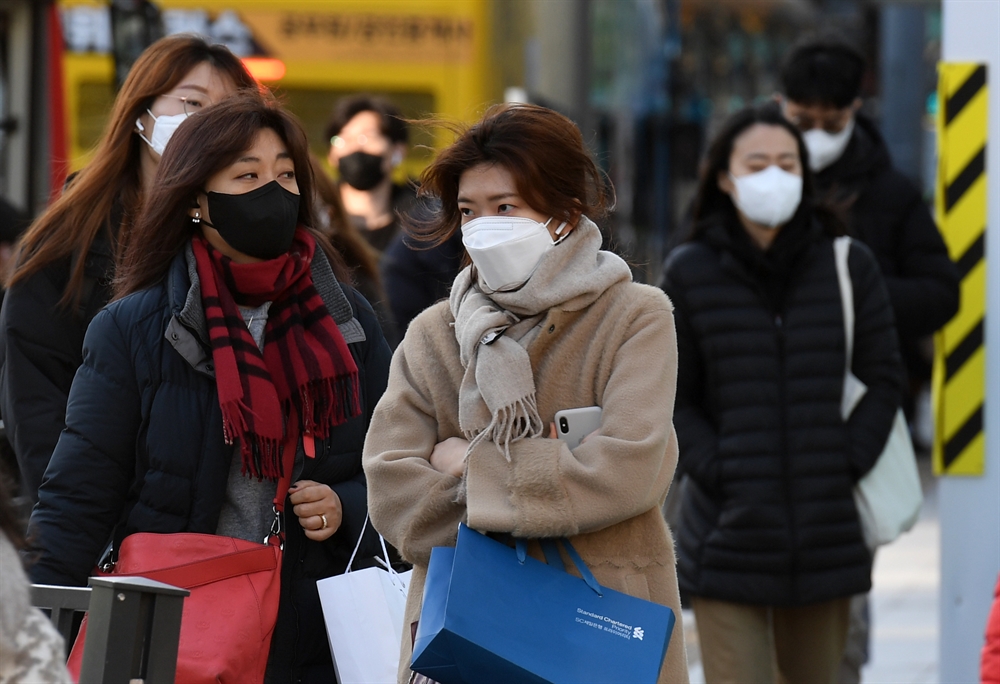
543, 320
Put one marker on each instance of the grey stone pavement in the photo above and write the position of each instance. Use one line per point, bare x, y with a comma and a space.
904, 604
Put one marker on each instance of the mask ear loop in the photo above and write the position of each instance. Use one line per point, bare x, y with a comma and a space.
200, 219
559, 230
142, 129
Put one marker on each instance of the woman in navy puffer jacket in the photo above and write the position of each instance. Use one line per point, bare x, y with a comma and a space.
231, 337
770, 546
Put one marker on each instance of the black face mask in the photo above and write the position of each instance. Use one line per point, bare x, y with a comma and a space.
260, 223
361, 170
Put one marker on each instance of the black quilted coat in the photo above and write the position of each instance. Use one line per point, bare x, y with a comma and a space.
768, 515
888, 214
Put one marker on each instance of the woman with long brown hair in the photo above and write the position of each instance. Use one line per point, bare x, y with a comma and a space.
64, 263
543, 320
232, 359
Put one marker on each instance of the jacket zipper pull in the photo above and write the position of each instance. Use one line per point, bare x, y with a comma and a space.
309, 445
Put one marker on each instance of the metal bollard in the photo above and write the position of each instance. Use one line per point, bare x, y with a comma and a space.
133, 629
63, 603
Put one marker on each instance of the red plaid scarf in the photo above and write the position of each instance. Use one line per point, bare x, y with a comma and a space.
304, 382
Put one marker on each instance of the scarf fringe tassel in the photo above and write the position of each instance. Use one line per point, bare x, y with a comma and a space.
261, 455
327, 403
324, 404
510, 424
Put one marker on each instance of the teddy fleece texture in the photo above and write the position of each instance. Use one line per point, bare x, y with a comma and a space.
618, 353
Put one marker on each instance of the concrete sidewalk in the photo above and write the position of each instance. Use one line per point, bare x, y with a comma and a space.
904, 600
904, 604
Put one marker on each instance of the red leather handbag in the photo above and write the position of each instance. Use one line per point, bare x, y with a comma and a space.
235, 586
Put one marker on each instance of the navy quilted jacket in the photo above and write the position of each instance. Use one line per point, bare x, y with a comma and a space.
143, 447
768, 515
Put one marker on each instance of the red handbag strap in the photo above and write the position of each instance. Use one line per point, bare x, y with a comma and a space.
198, 573
288, 465
277, 533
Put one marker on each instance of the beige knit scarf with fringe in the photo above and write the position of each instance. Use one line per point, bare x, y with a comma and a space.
496, 401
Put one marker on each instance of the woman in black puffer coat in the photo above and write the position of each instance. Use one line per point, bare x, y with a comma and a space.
770, 547
232, 334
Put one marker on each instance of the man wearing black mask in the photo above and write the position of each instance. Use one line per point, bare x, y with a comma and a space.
821, 81
368, 139
854, 173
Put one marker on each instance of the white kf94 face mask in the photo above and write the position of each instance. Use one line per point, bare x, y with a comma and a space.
506, 249
769, 197
826, 148
163, 129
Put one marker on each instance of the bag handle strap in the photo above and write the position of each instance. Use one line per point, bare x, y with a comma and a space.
198, 573
381, 541
550, 547
277, 533
350, 563
841, 248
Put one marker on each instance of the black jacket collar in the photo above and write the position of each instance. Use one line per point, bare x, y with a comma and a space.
866, 155
770, 271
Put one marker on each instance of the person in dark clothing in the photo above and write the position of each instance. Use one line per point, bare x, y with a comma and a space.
368, 139
64, 263
356, 251
821, 81
231, 333
12, 224
417, 273
770, 545
853, 172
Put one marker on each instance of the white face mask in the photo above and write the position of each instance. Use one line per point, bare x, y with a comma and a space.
826, 148
769, 197
507, 249
163, 128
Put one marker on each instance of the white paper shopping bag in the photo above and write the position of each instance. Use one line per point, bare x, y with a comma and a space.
363, 611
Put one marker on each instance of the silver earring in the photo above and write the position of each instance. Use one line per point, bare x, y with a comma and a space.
197, 217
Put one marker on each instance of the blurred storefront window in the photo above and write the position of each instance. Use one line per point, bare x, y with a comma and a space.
429, 59
648, 81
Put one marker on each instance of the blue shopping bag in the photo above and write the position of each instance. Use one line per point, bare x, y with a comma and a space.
491, 613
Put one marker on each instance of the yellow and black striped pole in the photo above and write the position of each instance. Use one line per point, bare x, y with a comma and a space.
959, 383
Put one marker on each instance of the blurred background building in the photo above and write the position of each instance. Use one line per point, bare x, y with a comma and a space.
647, 80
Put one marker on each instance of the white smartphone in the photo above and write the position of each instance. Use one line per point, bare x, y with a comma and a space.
572, 425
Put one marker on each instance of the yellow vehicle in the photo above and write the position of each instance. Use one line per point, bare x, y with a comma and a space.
430, 56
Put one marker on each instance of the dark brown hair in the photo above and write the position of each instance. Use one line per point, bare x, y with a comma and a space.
204, 144
71, 223
391, 122
825, 70
540, 148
